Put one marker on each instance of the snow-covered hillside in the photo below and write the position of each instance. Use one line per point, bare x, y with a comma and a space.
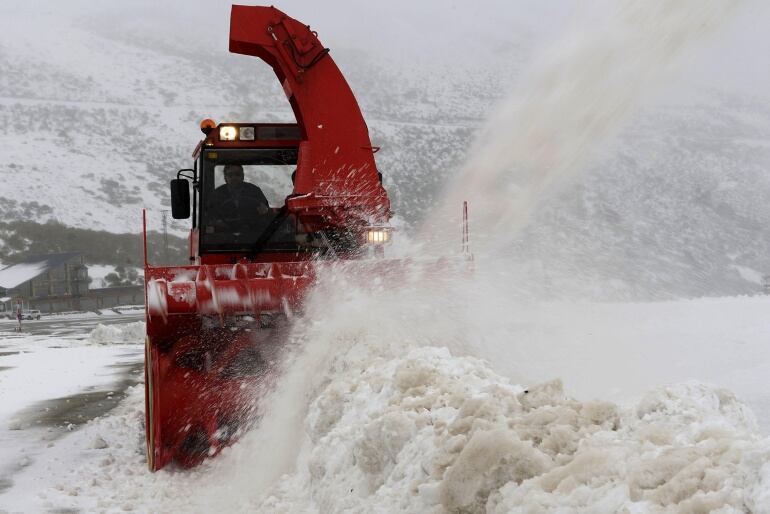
99, 113
99, 105
680, 211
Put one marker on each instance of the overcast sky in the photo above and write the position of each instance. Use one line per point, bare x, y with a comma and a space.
454, 32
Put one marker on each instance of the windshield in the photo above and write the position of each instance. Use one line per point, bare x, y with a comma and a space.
242, 197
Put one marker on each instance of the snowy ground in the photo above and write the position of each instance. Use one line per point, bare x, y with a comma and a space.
56, 376
391, 406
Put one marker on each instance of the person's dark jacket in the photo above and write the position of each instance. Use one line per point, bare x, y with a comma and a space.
237, 207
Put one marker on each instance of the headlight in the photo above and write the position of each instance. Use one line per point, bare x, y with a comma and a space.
246, 134
227, 133
378, 236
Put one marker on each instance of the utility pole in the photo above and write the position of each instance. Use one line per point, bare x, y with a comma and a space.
165, 238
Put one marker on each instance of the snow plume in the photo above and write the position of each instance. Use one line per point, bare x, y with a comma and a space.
563, 110
346, 326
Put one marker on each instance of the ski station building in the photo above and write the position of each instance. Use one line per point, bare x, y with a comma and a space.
57, 283
54, 279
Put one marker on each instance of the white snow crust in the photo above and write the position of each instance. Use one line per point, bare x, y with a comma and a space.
44, 367
434, 433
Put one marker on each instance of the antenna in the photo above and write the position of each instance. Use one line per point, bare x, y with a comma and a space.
466, 246
165, 237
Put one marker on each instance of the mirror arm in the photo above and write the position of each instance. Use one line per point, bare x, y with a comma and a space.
195, 195
180, 175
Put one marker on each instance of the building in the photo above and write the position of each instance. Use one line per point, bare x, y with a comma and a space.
58, 283
50, 283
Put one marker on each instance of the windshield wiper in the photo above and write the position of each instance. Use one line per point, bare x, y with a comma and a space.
269, 231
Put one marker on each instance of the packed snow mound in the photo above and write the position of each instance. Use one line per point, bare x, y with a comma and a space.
126, 333
397, 429
430, 432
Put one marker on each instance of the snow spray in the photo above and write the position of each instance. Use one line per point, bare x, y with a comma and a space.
380, 321
579, 95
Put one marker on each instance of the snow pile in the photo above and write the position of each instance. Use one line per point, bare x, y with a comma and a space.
430, 432
126, 333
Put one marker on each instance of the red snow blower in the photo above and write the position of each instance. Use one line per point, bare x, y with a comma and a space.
271, 204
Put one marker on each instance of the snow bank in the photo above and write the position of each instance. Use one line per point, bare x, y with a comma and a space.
430, 432
126, 333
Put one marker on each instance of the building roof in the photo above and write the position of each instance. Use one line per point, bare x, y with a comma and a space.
31, 267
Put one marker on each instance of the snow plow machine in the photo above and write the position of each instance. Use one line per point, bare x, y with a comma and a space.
213, 325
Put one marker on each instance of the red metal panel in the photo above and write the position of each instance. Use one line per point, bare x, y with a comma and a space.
336, 163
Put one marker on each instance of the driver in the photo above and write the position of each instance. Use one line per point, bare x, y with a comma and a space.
237, 203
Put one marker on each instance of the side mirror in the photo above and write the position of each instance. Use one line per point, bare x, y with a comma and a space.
180, 199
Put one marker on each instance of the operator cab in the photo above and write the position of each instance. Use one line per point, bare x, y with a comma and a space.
242, 193
242, 177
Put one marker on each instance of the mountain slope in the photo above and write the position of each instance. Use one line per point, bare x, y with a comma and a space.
99, 106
